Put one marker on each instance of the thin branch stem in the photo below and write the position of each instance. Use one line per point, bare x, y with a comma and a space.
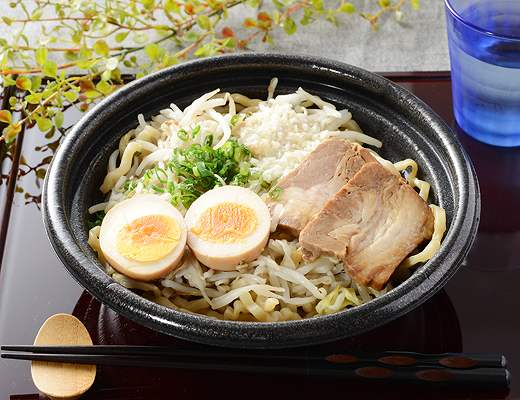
56, 19
111, 21
187, 50
108, 34
33, 70
65, 49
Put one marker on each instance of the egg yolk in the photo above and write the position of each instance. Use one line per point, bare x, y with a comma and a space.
225, 223
148, 238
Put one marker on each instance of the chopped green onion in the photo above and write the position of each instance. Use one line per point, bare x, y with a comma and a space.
220, 181
234, 119
95, 219
197, 169
157, 189
129, 186
228, 149
264, 184
161, 172
244, 168
170, 187
195, 131
148, 175
182, 134
208, 141
202, 168
275, 193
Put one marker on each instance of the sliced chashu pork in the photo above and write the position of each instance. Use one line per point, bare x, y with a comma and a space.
372, 223
306, 189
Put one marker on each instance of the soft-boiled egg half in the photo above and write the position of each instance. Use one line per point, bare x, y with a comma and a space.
143, 237
226, 226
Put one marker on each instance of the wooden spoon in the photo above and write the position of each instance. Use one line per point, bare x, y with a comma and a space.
61, 380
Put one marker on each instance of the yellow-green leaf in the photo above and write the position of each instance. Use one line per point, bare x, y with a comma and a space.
86, 64
318, 5
204, 50
11, 131
347, 8
71, 96
204, 22
289, 26
71, 55
23, 83
90, 13
44, 124
106, 75
148, 4
230, 43
115, 75
104, 87
50, 68
331, 17
152, 51
111, 63
76, 36
162, 29
40, 55
8, 21
140, 38
34, 98
36, 15
36, 82
121, 36
5, 116
171, 6
307, 17
101, 47
278, 4
40, 173
85, 52
169, 60
92, 94
8, 81
416, 4
58, 119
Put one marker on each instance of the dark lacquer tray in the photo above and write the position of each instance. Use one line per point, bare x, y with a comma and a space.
476, 312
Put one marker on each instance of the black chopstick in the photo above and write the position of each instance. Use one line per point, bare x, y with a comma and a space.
391, 358
417, 373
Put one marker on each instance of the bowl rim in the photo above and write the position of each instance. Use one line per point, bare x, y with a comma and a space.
199, 328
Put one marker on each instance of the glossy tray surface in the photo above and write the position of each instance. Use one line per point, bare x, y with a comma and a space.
475, 312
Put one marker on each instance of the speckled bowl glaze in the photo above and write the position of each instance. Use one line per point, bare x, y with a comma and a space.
407, 127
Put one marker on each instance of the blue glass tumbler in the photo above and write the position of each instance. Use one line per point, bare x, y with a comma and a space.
484, 41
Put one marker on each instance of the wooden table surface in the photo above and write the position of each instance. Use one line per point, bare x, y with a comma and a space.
476, 312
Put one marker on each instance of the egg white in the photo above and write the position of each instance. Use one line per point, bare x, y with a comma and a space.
124, 213
227, 255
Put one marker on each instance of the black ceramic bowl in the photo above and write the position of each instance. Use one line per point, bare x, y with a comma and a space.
407, 127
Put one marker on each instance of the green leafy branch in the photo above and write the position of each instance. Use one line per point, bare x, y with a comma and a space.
83, 46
